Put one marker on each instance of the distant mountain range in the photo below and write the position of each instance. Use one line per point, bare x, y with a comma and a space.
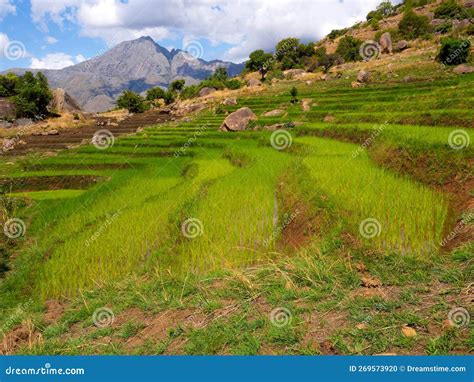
135, 65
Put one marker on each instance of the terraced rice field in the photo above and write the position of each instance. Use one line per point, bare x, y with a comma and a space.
183, 198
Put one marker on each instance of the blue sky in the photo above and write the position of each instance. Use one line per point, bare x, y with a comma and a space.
54, 34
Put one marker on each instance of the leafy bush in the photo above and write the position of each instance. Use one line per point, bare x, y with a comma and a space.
451, 9
412, 26
131, 101
8, 84
31, 95
155, 93
335, 33
233, 84
453, 51
444, 28
294, 94
177, 85
190, 92
348, 48
169, 97
277, 73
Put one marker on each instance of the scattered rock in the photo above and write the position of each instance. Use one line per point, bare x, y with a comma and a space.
463, 69
276, 126
361, 326
206, 91
329, 118
53, 132
309, 82
370, 282
294, 72
460, 24
408, 79
402, 45
274, 113
407, 331
230, 101
306, 104
254, 82
323, 77
23, 121
356, 84
386, 43
363, 76
238, 120
436, 22
5, 124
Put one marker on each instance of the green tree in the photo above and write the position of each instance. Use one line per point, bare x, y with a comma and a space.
169, 97
294, 94
259, 61
32, 96
220, 74
131, 101
348, 48
155, 93
454, 51
177, 85
412, 26
8, 84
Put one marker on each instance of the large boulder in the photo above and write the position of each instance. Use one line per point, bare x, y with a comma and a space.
463, 69
402, 45
62, 102
231, 101
363, 76
206, 91
274, 113
254, 82
238, 120
386, 43
294, 72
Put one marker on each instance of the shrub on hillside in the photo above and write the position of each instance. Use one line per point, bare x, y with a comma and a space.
451, 9
348, 48
131, 101
8, 84
233, 84
32, 95
155, 93
169, 97
413, 26
335, 33
190, 92
454, 51
177, 85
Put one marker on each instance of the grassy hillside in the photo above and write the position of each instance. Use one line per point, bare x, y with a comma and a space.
322, 238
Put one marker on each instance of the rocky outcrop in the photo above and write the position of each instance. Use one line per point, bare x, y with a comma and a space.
402, 45
206, 91
62, 102
274, 113
238, 120
231, 101
463, 69
386, 43
363, 76
254, 82
306, 104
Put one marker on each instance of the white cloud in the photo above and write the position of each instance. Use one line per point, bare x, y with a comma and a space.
52, 61
6, 7
51, 40
4, 40
80, 58
245, 25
